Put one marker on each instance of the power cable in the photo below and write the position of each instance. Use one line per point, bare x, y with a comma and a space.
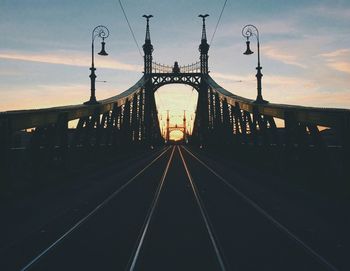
217, 24
132, 32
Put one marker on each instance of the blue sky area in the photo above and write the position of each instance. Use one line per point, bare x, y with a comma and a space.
45, 49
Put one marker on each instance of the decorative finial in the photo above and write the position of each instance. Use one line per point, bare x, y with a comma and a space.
148, 35
204, 34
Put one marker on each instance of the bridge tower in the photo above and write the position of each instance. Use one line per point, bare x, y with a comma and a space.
147, 48
202, 119
151, 123
204, 47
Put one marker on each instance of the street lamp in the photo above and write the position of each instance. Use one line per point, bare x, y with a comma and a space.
248, 31
103, 33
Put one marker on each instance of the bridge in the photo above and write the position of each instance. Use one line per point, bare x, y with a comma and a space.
259, 186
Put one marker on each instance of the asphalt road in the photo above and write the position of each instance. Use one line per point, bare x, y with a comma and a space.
171, 209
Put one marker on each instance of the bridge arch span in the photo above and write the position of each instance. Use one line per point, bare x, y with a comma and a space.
160, 80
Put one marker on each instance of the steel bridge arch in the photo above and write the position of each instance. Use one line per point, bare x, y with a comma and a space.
162, 79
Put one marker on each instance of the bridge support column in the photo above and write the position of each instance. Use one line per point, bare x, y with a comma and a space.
134, 122
152, 130
203, 113
102, 129
115, 126
261, 125
141, 116
241, 126
217, 120
211, 110
125, 128
226, 122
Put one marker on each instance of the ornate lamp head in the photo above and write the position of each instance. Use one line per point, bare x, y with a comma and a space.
103, 51
248, 51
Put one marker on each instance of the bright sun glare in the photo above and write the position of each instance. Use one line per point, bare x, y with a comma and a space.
176, 99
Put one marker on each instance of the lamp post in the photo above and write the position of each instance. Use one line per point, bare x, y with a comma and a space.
248, 31
103, 33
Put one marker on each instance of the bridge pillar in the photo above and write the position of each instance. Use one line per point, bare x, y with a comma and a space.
126, 131
227, 132
211, 110
115, 126
240, 123
102, 128
134, 121
151, 122
203, 112
140, 119
148, 112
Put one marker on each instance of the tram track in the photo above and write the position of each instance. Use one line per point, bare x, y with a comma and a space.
204, 214
150, 214
83, 220
200, 208
265, 214
179, 214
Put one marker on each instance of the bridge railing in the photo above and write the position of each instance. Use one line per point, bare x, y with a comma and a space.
190, 68
289, 138
326, 117
116, 121
290, 128
25, 119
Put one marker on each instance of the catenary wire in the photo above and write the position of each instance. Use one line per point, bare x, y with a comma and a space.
217, 24
131, 30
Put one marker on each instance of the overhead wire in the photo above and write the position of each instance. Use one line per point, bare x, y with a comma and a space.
217, 24
131, 30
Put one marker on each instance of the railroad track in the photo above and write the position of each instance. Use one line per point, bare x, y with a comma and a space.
178, 213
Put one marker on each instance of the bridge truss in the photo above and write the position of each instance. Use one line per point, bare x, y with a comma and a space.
130, 118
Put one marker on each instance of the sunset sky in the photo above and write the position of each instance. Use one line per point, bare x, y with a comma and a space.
45, 50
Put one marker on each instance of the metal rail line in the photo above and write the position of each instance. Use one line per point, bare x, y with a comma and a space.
149, 216
267, 216
204, 214
90, 214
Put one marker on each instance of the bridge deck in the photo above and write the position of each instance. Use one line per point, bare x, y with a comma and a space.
181, 211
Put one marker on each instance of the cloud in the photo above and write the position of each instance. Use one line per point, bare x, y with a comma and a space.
337, 53
272, 80
338, 60
42, 96
328, 11
50, 95
69, 58
340, 66
231, 77
10, 73
286, 58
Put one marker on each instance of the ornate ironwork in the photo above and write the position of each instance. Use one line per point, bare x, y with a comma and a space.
147, 47
190, 68
204, 47
162, 79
